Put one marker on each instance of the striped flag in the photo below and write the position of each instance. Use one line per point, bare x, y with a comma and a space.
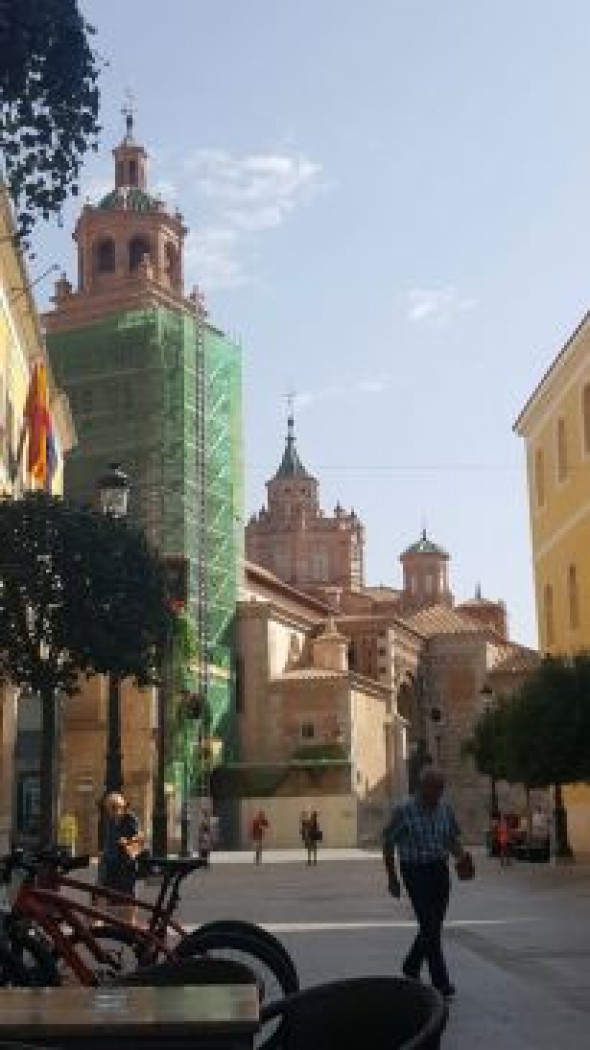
38, 428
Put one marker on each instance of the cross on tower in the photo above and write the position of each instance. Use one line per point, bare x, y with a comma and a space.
128, 111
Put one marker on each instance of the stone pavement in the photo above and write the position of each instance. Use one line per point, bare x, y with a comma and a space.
518, 940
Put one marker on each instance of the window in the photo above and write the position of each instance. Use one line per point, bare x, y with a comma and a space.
540, 477
586, 417
548, 614
138, 247
573, 597
562, 464
133, 173
172, 268
105, 255
307, 731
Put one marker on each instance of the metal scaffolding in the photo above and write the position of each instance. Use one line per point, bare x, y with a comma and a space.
159, 391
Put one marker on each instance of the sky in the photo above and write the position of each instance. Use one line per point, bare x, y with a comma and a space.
388, 206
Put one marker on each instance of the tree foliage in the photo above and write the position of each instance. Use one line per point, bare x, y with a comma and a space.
488, 745
540, 735
80, 593
49, 102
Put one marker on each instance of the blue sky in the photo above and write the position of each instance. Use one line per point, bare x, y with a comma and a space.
389, 206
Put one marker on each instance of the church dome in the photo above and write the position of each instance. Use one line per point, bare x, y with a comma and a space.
129, 198
425, 546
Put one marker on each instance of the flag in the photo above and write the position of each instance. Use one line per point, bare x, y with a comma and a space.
37, 426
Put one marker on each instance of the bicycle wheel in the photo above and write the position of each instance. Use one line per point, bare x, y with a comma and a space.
26, 961
239, 927
256, 949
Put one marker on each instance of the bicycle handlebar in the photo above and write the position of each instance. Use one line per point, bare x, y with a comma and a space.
32, 863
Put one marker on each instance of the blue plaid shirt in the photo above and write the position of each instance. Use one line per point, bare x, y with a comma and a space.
421, 835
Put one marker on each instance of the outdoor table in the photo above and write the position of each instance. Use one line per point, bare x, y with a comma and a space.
220, 1017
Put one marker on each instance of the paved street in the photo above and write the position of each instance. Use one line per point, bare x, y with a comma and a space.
518, 941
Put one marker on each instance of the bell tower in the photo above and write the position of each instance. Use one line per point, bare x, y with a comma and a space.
130, 245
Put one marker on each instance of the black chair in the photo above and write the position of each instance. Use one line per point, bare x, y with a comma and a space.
196, 971
376, 1013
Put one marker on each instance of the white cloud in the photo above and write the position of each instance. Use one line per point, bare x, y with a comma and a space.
228, 202
436, 305
211, 255
241, 197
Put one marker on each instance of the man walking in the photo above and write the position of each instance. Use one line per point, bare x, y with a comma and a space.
423, 830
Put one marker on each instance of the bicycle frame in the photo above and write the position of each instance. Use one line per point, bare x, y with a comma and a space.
48, 909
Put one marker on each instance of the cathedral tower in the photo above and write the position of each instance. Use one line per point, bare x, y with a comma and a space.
296, 540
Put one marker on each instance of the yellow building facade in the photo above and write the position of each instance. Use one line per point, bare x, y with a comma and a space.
555, 425
21, 344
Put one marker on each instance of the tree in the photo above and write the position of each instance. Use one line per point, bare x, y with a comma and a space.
80, 593
489, 750
49, 102
549, 727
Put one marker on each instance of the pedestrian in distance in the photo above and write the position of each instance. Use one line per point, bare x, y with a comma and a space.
422, 832
311, 836
503, 842
123, 841
259, 828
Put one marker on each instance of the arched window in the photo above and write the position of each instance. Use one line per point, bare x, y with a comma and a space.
172, 269
562, 464
548, 614
586, 417
105, 255
540, 477
133, 173
573, 598
138, 247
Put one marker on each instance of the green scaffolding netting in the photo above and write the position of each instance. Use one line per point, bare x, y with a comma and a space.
131, 382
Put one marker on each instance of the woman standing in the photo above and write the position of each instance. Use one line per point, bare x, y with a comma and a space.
312, 835
123, 841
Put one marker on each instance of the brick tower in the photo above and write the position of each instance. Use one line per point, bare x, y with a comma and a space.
294, 538
141, 367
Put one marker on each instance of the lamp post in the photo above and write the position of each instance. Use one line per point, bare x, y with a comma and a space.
487, 699
113, 492
192, 710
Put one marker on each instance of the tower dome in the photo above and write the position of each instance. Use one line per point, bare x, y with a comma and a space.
426, 574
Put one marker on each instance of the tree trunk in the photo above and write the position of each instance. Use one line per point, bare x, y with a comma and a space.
562, 845
48, 771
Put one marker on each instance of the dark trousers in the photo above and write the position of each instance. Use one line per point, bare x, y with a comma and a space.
428, 887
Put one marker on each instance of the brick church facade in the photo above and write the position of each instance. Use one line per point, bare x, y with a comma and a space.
436, 658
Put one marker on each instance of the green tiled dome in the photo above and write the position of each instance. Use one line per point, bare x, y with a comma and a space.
132, 199
425, 546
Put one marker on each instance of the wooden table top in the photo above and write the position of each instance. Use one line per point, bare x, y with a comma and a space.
222, 1008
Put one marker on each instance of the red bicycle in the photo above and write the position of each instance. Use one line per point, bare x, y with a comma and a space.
56, 930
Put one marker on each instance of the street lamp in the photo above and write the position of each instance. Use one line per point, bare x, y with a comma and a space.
113, 493
192, 712
487, 699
